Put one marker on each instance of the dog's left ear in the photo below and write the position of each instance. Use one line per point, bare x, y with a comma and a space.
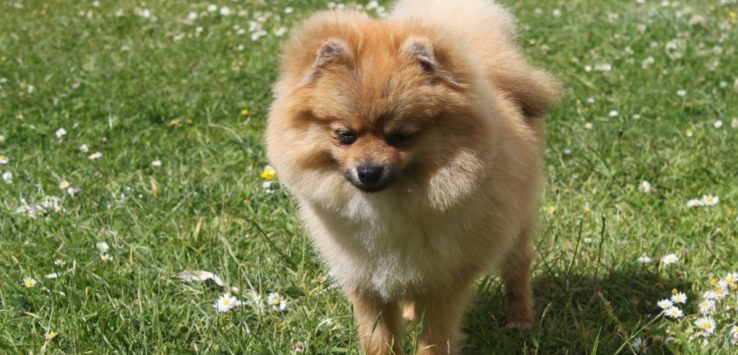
421, 50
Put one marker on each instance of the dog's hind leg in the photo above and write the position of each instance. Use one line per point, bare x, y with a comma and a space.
516, 278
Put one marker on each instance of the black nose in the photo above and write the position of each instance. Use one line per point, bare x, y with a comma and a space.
369, 174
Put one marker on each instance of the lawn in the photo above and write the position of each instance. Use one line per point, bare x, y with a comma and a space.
131, 150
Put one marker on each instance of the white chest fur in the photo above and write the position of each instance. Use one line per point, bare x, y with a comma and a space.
382, 245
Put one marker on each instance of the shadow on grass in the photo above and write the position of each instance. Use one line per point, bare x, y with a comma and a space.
576, 315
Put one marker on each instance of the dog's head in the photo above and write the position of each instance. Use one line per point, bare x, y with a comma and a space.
375, 101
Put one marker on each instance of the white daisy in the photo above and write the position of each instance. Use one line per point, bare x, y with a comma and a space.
645, 186
613, 113
665, 304
640, 345
52, 275
720, 293
717, 124
681, 93
105, 257
64, 184
4, 159
60, 133
707, 306
673, 312
647, 62
707, 325
102, 247
679, 297
288, 10
226, 302
267, 186
695, 203
84, 148
29, 282
603, 67
8, 177
710, 200
225, 11
145, 13
644, 259
731, 278
95, 156
669, 259
277, 302
280, 31
156, 163
192, 16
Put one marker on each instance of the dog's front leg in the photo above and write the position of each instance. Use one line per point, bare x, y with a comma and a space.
378, 324
440, 314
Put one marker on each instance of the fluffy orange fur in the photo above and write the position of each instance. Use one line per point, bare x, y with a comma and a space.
453, 115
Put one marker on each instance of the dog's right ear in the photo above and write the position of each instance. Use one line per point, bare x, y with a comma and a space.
332, 52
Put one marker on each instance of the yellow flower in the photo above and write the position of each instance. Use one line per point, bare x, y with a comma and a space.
174, 122
732, 14
245, 111
550, 209
51, 335
268, 173
713, 282
64, 184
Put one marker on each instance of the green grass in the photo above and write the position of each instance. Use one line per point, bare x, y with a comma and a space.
139, 89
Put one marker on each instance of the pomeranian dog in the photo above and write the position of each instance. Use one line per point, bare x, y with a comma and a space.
414, 145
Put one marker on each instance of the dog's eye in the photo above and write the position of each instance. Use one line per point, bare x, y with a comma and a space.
399, 138
346, 136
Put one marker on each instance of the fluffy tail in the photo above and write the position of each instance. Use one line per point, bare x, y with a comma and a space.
489, 30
